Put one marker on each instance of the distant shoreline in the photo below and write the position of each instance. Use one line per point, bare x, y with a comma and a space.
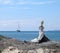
32, 31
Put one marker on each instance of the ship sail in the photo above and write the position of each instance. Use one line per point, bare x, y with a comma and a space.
18, 29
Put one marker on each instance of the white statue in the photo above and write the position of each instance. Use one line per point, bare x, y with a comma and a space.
41, 33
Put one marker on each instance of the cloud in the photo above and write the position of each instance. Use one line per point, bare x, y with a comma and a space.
15, 3
11, 2
25, 24
35, 3
7, 2
22, 8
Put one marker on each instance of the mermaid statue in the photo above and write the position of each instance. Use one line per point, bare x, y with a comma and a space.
41, 37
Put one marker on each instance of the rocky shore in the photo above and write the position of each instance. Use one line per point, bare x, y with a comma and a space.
50, 46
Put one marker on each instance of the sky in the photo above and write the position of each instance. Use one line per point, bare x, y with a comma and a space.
28, 14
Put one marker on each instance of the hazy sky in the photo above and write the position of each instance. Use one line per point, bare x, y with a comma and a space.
28, 14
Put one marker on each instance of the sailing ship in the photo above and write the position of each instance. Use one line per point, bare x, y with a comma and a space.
18, 30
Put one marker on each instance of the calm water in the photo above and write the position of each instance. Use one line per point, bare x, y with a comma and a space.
28, 35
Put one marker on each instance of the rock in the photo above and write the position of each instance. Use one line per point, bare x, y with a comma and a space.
44, 39
43, 47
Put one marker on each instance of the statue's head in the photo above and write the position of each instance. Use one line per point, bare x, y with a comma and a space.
42, 22
41, 27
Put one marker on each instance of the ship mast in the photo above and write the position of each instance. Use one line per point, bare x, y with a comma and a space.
18, 29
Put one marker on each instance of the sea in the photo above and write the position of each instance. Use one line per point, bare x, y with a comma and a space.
29, 35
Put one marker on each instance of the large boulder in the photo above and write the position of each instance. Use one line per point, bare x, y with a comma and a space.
44, 39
